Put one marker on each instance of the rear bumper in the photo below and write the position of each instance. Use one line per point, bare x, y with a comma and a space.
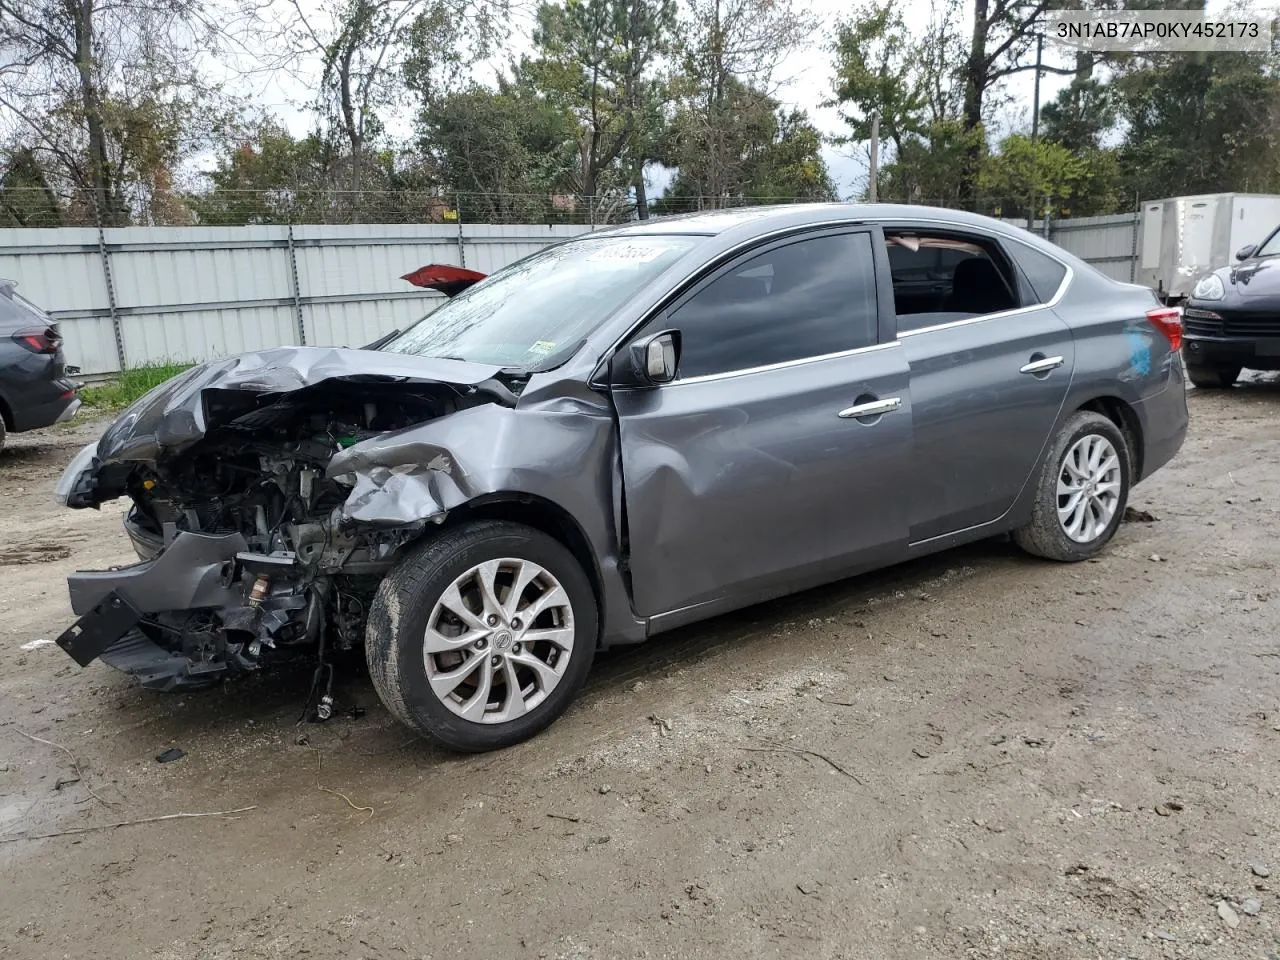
53, 402
70, 412
1258, 353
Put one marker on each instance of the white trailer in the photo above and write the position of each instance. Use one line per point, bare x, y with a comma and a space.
1182, 238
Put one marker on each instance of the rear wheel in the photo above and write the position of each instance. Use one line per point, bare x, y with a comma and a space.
481, 637
1081, 492
1213, 378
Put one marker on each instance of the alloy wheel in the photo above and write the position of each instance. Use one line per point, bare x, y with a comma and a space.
499, 640
1088, 488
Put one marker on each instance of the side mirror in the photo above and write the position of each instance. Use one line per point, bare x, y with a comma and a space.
1245, 252
648, 362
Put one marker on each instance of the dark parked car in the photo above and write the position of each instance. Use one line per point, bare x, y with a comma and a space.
618, 435
34, 389
1233, 317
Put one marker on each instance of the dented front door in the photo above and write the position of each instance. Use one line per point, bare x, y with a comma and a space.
756, 480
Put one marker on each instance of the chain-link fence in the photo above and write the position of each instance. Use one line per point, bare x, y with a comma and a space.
35, 207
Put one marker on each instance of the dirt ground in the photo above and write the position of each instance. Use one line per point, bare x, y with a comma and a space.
976, 754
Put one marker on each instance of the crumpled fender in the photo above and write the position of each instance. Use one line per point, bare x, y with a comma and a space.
423, 472
560, 450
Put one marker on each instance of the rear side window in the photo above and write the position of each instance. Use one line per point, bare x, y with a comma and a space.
939, 278
1043, 273
805, 299
19, 313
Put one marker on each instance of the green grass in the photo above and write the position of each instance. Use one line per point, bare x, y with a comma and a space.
130, 385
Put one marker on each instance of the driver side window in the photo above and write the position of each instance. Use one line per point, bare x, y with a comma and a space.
798, 300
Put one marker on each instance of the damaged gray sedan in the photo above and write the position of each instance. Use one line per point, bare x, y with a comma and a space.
618, 435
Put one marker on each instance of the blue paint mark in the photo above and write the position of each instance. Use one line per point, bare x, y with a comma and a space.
1139, 354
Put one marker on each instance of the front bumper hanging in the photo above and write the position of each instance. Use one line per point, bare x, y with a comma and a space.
195, 571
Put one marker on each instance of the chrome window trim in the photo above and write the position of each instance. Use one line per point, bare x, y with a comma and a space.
781, 232
982, 318
782, 365
1000, 315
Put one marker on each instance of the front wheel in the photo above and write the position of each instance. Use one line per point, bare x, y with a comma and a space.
1081, 492
482, 636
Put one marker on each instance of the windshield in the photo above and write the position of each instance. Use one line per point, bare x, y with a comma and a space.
1270, 247
536, 312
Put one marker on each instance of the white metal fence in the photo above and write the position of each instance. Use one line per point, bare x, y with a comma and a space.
127, 296
1109, 243
133, 295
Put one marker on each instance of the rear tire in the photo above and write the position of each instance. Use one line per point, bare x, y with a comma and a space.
459, 659
1213, 378
4, 433
1079, 504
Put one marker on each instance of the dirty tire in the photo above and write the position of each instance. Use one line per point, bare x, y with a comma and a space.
3, 433
1212, 378
398, 617
1044, 536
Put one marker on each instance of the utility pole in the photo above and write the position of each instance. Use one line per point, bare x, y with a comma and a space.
1035, 110
875, 156
1035, 115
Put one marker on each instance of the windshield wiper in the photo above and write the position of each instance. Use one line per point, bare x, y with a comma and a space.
381, 341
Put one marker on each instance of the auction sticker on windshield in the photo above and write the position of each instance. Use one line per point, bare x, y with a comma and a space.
629, 252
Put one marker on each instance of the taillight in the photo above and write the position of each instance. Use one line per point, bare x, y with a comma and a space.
1168, 320
39, 341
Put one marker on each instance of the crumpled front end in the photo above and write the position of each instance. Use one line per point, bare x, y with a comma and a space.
250, 514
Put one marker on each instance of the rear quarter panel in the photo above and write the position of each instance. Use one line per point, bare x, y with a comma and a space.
1118, 350
1121, 355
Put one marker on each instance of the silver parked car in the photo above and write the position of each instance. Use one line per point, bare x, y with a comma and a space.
628, 432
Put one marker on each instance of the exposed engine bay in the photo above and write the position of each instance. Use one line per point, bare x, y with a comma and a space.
248, 557
307, 576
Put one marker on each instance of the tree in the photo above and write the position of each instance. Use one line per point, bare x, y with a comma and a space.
1199, 123
369, 50
502, 152
789, 163
912, 81
106, 94
26, 197
1002, 33
764, 153
596, 59
265, 175
1081, 119
1081, 115
730, 51
877, 73
931, 168
1029, 171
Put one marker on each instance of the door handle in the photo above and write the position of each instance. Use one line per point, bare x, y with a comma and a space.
1043, 366
872, 409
